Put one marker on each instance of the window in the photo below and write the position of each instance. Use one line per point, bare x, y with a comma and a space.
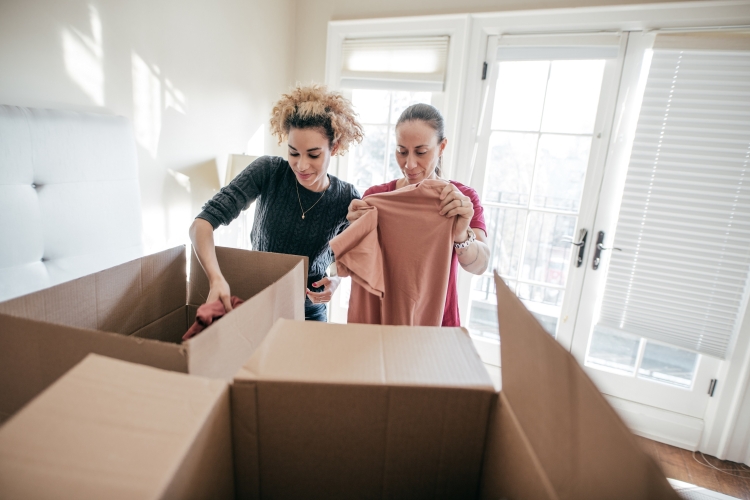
374, 161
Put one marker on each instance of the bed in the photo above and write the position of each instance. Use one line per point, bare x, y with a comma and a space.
69, 196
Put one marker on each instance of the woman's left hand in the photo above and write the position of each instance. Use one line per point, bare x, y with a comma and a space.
453, 203
329, 286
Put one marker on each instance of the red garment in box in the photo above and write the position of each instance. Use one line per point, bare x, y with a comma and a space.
207, 314
398, 255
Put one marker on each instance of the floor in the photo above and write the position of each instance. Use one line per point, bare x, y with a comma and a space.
732, 479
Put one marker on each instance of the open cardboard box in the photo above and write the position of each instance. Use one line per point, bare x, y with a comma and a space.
138, 312
551, 433
110, 429
360, 411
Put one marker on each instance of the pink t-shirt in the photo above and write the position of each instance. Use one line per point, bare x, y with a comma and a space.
392, 284
450, 314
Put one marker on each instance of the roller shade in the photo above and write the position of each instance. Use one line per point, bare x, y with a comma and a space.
413, 64
684, 223
558, 47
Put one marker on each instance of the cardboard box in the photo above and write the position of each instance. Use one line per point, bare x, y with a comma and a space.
112, 429
357, 411
360, 411
552, 435
138, 312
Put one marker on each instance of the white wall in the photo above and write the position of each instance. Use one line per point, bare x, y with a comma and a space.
196, 78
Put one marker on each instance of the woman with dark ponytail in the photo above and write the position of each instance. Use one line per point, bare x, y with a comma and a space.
420, 143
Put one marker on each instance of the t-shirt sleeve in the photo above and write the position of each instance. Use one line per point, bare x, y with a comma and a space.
358, 253
477, 222
231, 200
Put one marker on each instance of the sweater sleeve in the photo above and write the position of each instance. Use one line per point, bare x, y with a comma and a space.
231, 200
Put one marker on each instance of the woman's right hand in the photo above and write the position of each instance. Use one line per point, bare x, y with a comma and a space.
357, 209
219, 290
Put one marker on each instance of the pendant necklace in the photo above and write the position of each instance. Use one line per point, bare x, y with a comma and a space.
296, 185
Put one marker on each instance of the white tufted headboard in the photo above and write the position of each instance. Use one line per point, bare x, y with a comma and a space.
69, 197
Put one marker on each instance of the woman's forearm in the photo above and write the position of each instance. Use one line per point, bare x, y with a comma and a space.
475, 257
202, 237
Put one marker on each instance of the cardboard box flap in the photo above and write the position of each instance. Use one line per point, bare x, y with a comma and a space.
113, 429
264, 267
33, 354
238, 334
120, 299
367, 354
585, 450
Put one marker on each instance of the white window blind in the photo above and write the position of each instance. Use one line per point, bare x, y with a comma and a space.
413, 64
684, 223
558, 47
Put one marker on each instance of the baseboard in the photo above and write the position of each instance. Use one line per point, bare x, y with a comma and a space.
659, 425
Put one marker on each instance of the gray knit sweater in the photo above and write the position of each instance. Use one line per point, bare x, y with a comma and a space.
278, 225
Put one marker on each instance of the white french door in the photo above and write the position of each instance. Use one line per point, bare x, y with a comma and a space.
546, 120
553, 151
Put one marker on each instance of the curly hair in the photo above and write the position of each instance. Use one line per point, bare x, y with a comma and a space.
313, 106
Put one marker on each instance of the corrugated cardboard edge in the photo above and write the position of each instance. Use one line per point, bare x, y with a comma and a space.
600, 457
236, 337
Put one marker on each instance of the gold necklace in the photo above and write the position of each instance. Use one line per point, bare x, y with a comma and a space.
296, 186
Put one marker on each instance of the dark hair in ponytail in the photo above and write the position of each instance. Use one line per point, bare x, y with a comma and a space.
432, 117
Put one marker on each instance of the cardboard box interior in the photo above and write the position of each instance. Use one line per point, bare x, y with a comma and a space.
113, 429
360, 411
138, 311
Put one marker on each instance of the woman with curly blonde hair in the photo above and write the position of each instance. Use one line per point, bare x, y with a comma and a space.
300, 207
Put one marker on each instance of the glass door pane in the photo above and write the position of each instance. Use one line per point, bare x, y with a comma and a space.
538, 149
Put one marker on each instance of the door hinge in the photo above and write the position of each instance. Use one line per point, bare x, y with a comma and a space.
484, 71
712, 387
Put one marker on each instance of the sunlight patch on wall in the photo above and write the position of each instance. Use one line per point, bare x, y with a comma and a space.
153, 93
84, 57
173, 98
146, 104
256, 146
182, 179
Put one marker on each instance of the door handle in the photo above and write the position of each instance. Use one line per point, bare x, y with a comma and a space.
599, 247
581, 244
